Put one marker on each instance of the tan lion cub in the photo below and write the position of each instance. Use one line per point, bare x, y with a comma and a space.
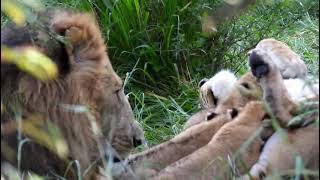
237, 94
279, 153
162, 155
215, 90
205, 163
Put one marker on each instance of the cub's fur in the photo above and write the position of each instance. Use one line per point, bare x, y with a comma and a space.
205, 163
246, 89
199, 129
193, 138
86, 78
280, 152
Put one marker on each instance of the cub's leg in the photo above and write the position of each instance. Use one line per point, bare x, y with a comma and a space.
205, 163
83, 35
182, 145
274, 91
280, 151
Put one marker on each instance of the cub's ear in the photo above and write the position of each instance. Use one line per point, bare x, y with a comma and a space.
249, 52
202, 82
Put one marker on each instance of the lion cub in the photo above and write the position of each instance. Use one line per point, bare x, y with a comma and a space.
279, 153
208, 162
158, 157
215, 90
236, 94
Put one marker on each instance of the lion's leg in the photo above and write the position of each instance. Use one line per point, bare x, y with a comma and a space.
183, 144
83, 34
271, 81
206, 161
281, 150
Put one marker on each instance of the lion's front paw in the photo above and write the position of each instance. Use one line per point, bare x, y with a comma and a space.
259, 66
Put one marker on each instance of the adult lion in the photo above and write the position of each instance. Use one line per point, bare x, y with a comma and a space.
86, 79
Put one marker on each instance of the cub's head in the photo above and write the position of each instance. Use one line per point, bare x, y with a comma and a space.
236, 96
86, 80
245, 90
223, 91
216, 90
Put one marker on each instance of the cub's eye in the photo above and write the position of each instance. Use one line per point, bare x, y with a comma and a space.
234, 113
245, 85
211, 115
202, 82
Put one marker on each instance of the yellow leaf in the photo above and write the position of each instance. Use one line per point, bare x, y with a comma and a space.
13, 11
38, 64
31, 61
46, 134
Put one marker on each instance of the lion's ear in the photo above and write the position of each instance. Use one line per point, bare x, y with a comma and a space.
84, 39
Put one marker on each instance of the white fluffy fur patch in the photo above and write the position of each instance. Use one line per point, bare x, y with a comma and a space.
299, 90
221, 84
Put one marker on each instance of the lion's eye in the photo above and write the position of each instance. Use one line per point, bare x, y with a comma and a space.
118, 90
245, 85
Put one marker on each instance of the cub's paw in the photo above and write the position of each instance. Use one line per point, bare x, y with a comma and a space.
259, 65
258, 171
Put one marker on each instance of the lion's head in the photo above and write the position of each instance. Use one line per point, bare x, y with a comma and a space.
86, 102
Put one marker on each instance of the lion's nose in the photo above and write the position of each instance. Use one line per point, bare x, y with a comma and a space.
137, 142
